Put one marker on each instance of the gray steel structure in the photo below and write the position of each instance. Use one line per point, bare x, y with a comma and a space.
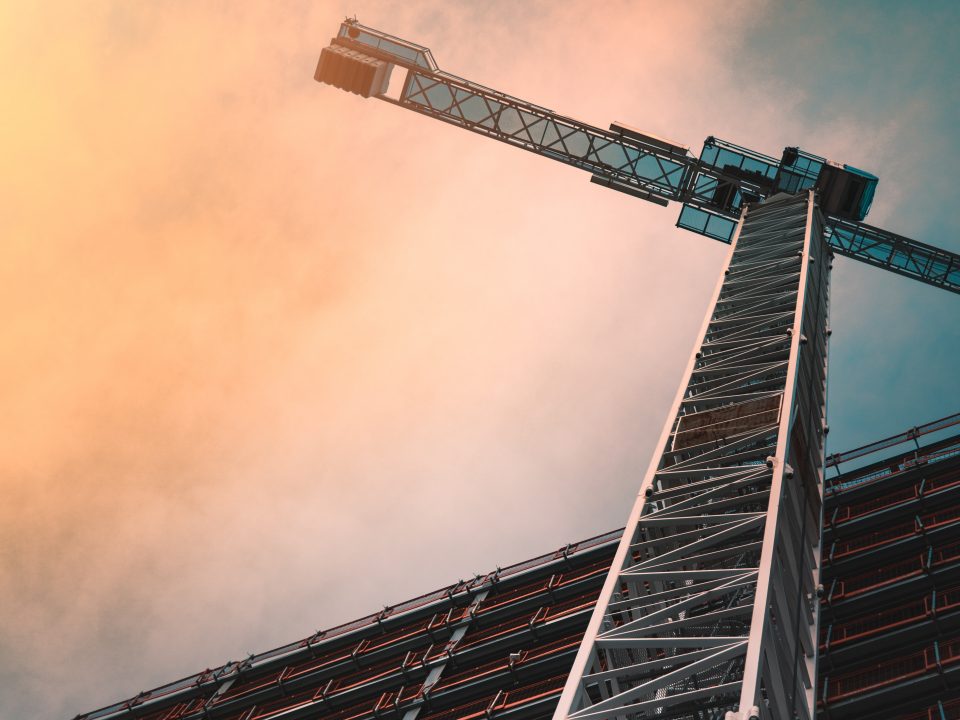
710, 606
711, 600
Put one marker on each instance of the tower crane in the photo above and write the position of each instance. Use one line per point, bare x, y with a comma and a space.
710, 608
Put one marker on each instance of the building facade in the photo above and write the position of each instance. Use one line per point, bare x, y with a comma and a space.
501, 645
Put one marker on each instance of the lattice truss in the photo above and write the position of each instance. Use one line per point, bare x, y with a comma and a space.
542, 131
714, 585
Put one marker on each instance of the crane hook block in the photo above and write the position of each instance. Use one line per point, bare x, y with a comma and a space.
353, 71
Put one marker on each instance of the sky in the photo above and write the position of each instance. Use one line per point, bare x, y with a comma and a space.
275, 356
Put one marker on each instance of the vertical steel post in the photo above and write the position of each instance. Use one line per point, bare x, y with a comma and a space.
710, 606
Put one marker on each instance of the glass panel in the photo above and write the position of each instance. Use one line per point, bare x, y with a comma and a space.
755, 166
709, 154
674, 174
396, 49
801, 174
720, 228
692, 218
758, 166
728, 158
402, 51
704, 223
938, 268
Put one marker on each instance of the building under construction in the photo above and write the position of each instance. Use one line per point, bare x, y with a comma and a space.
501, 645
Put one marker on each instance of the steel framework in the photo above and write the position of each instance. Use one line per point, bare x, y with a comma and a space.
711, 600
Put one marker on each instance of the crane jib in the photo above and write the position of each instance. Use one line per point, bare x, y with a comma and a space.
713, 189
525, 125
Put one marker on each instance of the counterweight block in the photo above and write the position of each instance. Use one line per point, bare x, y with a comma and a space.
353, 71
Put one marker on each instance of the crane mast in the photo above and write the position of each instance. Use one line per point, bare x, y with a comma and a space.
711, 606
711, 602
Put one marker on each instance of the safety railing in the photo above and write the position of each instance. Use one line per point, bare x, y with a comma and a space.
930, 560
272, 708
498, 599
531, 693
929, 486
180, 710
469, 675
939, 518
839, 634
858, 480
935, 604
212, 677
844, 548
910, 435
846, 513
890, 672
544, 614
581, 603
324, 662
467, 711
942, 481
876, 578
949, 710
541, 652
501, 701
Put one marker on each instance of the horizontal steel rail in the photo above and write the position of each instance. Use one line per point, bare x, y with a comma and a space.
912, 434
207, 683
